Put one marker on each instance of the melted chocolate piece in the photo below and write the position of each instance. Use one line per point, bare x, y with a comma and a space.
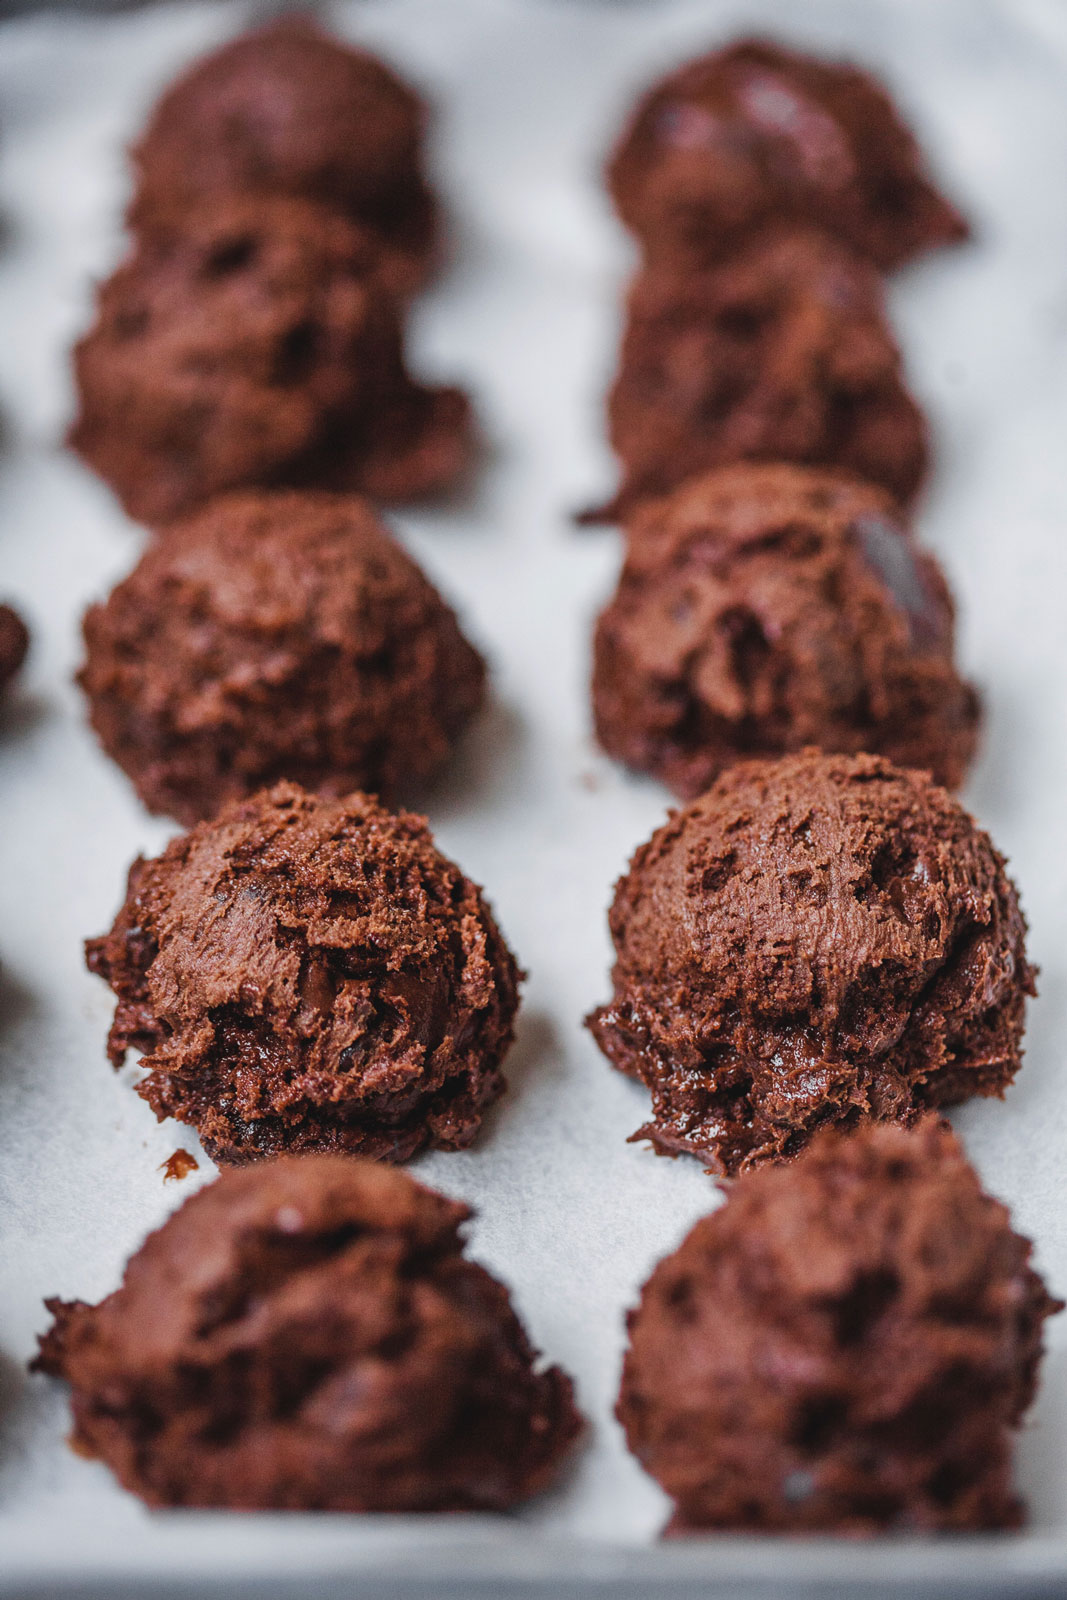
817, 144
890, 553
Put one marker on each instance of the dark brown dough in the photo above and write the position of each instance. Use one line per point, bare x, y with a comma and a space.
307, 1335
277, 635
819, 939
310, 974
14, 643
782, 353
764, 608
757, 133
256, 347
847, 1346
286, 110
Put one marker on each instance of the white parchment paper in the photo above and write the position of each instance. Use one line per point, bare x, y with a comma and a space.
529, 94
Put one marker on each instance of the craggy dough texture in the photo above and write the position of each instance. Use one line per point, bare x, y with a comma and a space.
764, 608
14, 643
276, 635
257, 346
289, 111
846, 1346
307, 1336
310, 974
819, 939
782, 353
755, 133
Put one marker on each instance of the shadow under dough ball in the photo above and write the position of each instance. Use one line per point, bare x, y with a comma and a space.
847, 1345
310, 974
257, 347
276, 635
307, 1335
289, 111
755, 133
14, 644
819, 939
764, 608
783, 353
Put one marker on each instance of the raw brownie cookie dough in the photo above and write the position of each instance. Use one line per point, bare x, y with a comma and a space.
310, 974
819, 939
307, 1335
276, 635
764, 608
14, 643
847, 1346
289, 111
257, 347
782, 353
756, 132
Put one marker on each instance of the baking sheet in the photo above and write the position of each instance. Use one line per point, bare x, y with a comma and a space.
529, 93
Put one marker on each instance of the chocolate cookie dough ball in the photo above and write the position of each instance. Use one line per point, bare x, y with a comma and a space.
310, 974
756, 132
257, 347
819, 939
308, 1336
764, 608
847, 1346
14, 643
276, 635
289, 111
783, 353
